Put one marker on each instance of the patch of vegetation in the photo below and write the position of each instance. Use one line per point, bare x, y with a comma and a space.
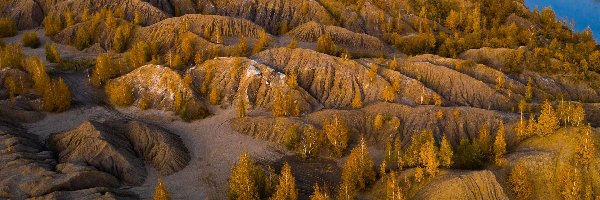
8, 28
30, 39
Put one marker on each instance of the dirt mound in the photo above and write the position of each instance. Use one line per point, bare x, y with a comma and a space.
149, 13
470, 185
102, 36
157, 85
164, 150
311, 31
331, 80
270, 14
456, 88
26, 14
102, 147
28, 169
242, 79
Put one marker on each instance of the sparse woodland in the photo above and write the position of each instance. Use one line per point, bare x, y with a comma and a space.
361, 99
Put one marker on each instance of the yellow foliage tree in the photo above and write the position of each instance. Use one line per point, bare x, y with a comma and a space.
320, 193
393, 190
326, 45
215, 96
286, 189
242, 185
548, 121
311, 141
357, 173
519, 181
357, 100
263, 41
586, 150
119, 94
337, 134
52, 53
389, 94
446, 153
160, 191
500, 146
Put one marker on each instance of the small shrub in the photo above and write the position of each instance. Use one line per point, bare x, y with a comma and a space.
8, 28
30, 39
52, 53
326, 45
121, 38
291, 138
56, 96
52, 25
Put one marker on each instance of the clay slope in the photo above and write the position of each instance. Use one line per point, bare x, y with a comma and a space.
470, 185
164, 150
250, 82
149, 13
102, 147
456, 124
353, 42
455, 87
102, 36
164, 31
174, 7
158, 85
28, 169
331, 80
26, 14
270, 14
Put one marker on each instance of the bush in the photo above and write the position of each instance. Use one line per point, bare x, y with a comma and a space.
469, 155
119, 94
30, 39
52, 53
121, 38
105, 69
8, 28
56, 96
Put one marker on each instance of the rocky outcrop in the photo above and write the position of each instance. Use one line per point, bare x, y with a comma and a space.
158, 85
270, 14
101, 147
242, 79
28, 169
174, 7
344, 38
333, 81
469, 185
149, 13
27, 14
164, 150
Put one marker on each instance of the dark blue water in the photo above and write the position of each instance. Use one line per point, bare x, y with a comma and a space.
583, 12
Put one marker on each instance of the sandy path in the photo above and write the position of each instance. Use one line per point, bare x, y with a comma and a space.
214, 148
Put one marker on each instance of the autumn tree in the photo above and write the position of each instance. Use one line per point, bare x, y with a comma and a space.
241, 109
357, 100
105, 69
393, 190
398, 155
69, 18
119, 94
337, 134
389, 94
293, 44
519, 181
500, 146
373, 71
446, 153
242, 185
242, 48
311, 142
52, 25
83, 38
137, 19
121, 37
8, 28
429, 156
215, 96
393, 65
30, 39
139, 55
378, 122
586, 150
286, 189
14, 86
56, 97
12, 56
263, 41
320, 193
52, 53
291, 138
529, 90
357, 173
578, 115
326, 45
292, 80
548, 121
160, 191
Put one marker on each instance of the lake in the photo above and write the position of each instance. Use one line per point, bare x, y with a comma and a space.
583, 12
